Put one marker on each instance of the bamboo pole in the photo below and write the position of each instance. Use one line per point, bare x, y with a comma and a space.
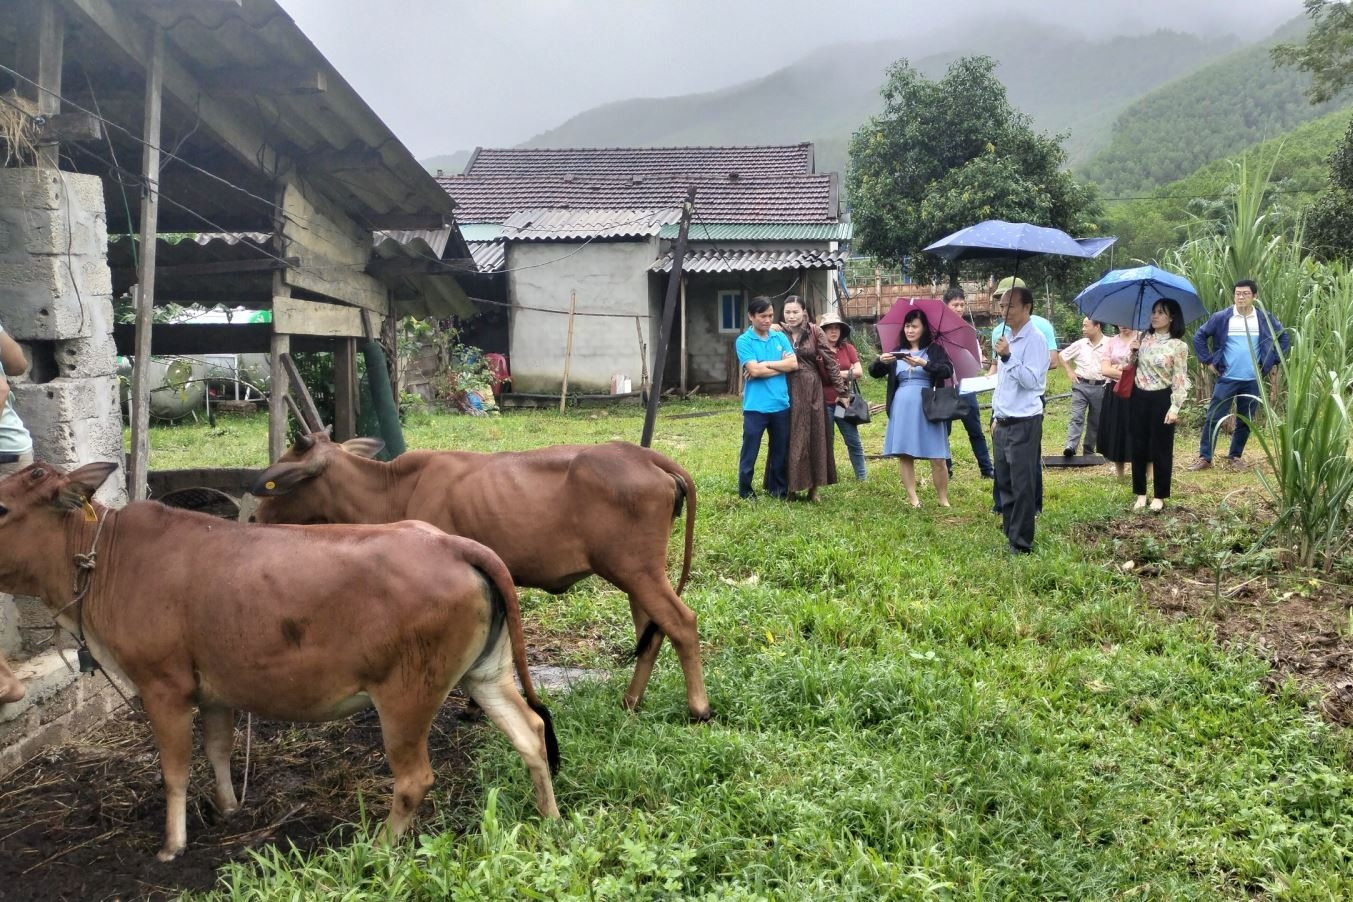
568, 348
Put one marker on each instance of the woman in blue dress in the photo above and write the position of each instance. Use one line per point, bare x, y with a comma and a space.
918, 363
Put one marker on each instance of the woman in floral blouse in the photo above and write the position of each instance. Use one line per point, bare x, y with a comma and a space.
1158, 392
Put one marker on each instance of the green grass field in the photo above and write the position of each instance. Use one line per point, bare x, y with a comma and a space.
903, 710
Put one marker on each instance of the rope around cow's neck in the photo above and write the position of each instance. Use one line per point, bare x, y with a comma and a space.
84, 578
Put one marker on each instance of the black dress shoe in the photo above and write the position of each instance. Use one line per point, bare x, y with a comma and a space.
1068, 452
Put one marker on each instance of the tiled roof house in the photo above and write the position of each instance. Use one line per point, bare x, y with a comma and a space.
593, 228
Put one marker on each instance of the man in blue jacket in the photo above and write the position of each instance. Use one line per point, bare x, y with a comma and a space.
1240, 345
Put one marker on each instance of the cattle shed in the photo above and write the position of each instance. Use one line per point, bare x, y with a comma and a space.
178, 152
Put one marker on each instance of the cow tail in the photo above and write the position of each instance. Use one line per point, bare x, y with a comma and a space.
685, 491
492, 566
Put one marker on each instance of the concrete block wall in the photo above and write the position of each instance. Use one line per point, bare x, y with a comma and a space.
58, 305
610, 277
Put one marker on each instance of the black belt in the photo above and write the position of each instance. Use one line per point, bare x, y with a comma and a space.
1010, 421
1093, 381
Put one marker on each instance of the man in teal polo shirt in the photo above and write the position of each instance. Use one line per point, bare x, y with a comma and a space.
765, 356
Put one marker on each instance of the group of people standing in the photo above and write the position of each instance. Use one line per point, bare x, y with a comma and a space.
797, 373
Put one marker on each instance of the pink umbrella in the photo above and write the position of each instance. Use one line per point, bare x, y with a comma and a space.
948, 329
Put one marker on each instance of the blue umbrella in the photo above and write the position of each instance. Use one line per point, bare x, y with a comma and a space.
1125, 297
996, 238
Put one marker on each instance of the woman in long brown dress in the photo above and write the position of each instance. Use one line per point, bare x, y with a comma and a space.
811, 463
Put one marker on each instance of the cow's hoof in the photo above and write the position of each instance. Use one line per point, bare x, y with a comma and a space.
705, 717
168, 854
629, 704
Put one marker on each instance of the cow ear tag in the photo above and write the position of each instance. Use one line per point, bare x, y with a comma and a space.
90, 516
270, 485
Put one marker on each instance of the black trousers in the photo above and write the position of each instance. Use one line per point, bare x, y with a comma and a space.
1152, 440
1019, 471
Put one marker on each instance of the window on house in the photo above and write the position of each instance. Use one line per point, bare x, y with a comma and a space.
730, 311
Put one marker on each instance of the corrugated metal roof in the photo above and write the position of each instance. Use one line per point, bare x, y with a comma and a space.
763, 231
804, 198
753, 261
564, 225
763, 161
489, 256
481, 231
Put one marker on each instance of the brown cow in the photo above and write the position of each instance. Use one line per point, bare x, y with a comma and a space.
306, 623
554, 515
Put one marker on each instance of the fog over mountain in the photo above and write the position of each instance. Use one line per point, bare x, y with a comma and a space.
453, 76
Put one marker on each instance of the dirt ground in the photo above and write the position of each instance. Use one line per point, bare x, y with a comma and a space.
1300, 623
83, 822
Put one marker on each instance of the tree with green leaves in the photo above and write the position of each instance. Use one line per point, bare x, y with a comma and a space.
950, 153
1328, 50
1328, 55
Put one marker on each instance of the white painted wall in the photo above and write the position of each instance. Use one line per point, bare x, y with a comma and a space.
609, 277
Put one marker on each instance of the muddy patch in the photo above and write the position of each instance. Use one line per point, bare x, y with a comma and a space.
1193, 566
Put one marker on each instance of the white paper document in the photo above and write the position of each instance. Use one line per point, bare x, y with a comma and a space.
977, 384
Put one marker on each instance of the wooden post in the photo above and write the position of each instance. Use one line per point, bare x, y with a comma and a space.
40, 49
668, 315
277, 397
145, 277
345, 389
279, 347
568, 348
878, 292
684, 354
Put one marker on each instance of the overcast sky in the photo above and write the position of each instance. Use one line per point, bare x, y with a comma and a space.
455, 74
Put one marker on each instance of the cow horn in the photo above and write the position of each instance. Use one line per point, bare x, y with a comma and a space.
304, 442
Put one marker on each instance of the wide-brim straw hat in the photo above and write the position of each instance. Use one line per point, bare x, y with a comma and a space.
834, 319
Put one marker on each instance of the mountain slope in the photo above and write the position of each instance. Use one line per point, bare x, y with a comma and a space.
1218, 110
1300, 169
1070, 84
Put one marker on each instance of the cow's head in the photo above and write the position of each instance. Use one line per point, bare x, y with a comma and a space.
33, 501
291, 489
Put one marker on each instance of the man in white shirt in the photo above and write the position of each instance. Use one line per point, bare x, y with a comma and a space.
1017, 408
1080, 361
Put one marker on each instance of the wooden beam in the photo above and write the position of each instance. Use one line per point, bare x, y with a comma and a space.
145, 282
310, 417
297, 317
341, 283
354, 156
403, 266
226, 267
190, 339
272, 80
240, 134
70, 127
410, 221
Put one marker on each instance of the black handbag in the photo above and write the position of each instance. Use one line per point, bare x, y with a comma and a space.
942, 404
857, 411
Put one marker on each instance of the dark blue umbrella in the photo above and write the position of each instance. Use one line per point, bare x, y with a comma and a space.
998, 239
1124, 297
